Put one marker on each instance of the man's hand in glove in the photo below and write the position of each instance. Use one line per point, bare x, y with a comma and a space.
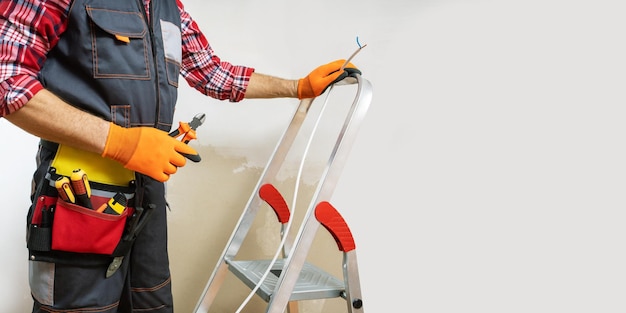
322, 77
146, 150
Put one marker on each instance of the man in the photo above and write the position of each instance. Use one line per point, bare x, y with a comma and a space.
97, 81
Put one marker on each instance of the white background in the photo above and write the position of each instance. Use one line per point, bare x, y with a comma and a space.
489, 173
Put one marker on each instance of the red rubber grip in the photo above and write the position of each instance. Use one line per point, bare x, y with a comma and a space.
330, 218
273, 197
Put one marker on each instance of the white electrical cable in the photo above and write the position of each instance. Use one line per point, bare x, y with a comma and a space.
293, 209
295, 193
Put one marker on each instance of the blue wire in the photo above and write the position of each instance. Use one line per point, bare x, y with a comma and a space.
357, 42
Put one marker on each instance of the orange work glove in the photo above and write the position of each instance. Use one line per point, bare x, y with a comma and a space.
322, 77
146, 150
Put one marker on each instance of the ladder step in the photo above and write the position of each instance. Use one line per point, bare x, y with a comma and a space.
313, 282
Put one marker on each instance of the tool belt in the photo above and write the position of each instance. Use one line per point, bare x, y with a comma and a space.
57, 223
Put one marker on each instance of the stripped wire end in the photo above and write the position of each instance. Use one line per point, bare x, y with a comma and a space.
354, 53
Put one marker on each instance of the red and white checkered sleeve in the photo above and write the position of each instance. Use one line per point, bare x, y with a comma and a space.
28, 30
204, 70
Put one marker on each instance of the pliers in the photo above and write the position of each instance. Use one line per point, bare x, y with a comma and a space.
188, 132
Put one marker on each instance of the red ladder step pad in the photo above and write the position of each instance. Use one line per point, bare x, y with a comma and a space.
330, 218
273, 197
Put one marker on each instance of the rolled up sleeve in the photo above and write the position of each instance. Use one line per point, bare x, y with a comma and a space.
28, 30
16, 91
205, 71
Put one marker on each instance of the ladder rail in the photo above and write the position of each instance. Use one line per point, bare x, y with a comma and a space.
247, 217
353, 296
297, 256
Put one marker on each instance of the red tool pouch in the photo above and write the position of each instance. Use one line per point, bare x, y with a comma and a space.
78, 229
57, 223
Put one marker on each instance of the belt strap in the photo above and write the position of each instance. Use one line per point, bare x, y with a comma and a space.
49, 145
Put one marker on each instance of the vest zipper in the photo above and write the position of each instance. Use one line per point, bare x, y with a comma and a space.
149, 22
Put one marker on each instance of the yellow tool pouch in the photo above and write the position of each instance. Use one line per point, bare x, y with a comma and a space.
99, 169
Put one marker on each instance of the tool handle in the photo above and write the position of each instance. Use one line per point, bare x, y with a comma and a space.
193, 157
115, 205
62, 185
188, 133
81, 187
46, 216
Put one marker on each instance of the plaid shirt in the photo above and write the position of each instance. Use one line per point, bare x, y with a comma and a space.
30, 28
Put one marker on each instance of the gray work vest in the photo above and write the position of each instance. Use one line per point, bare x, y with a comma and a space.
115, 63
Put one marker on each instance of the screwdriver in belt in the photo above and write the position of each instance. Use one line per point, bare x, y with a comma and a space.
62, 185
82, 190
115, 205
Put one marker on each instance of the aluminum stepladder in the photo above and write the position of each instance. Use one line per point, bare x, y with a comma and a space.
296, 279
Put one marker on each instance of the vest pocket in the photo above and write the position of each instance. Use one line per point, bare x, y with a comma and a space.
120, 47
173, 51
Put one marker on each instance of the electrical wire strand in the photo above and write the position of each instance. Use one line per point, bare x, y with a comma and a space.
353, 55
